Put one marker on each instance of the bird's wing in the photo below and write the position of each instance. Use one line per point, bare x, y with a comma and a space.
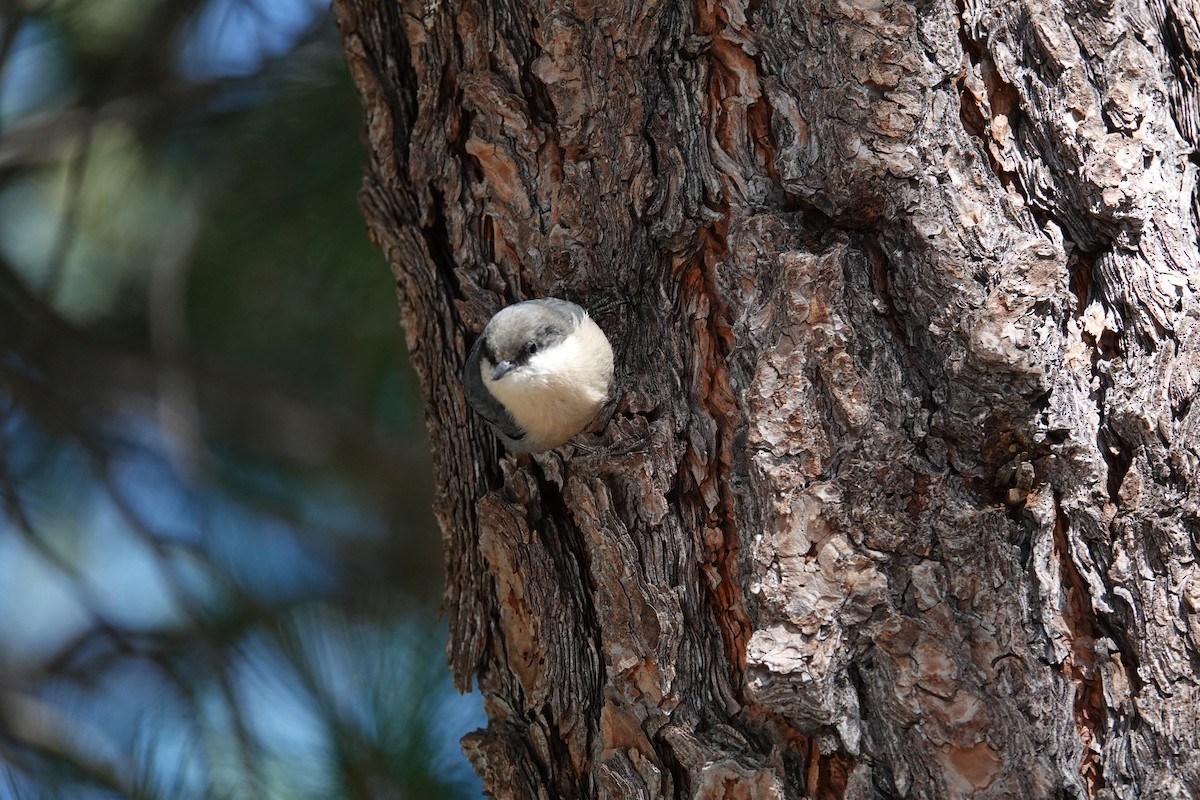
484, 401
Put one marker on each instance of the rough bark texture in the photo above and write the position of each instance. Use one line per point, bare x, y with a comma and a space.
904, 297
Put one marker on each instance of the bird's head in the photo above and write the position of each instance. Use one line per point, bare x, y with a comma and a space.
521, 340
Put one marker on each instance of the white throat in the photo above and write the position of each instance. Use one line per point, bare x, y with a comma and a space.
559, 390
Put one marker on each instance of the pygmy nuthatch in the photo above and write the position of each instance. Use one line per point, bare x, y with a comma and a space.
539, 373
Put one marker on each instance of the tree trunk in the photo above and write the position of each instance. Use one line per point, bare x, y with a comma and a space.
903, 492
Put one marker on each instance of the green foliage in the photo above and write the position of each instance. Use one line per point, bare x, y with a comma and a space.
335, 330
215, 519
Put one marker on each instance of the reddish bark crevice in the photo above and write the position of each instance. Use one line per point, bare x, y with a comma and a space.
1080, 666
827, 774
732, 77
708, 470
989, 106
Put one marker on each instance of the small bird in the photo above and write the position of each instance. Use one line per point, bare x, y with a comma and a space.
539, 373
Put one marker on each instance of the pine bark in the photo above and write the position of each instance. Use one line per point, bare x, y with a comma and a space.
902, 494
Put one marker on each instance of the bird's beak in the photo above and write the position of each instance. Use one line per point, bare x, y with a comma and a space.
502, 369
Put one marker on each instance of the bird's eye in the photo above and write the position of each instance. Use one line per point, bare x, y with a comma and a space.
531, 348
